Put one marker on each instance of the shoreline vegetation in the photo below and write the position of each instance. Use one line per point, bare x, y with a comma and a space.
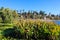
28, 25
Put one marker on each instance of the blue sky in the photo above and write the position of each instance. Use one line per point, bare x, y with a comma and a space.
52, 6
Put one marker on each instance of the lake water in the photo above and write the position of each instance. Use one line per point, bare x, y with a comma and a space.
57, 22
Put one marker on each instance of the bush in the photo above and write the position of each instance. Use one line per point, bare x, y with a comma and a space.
29, 29
11, 33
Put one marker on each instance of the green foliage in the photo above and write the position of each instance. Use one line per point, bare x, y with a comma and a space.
0, 19
11, 27
7, 15
47, 31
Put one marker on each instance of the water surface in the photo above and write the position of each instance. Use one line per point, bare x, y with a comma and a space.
57, 22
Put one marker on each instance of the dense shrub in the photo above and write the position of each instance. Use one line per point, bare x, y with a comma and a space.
12, 33
33, 29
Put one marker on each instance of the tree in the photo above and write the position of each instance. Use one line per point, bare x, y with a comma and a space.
8, 15
52, 15
2, 16
42, 13
2, 8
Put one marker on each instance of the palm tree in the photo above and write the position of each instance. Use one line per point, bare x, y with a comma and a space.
42, 13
